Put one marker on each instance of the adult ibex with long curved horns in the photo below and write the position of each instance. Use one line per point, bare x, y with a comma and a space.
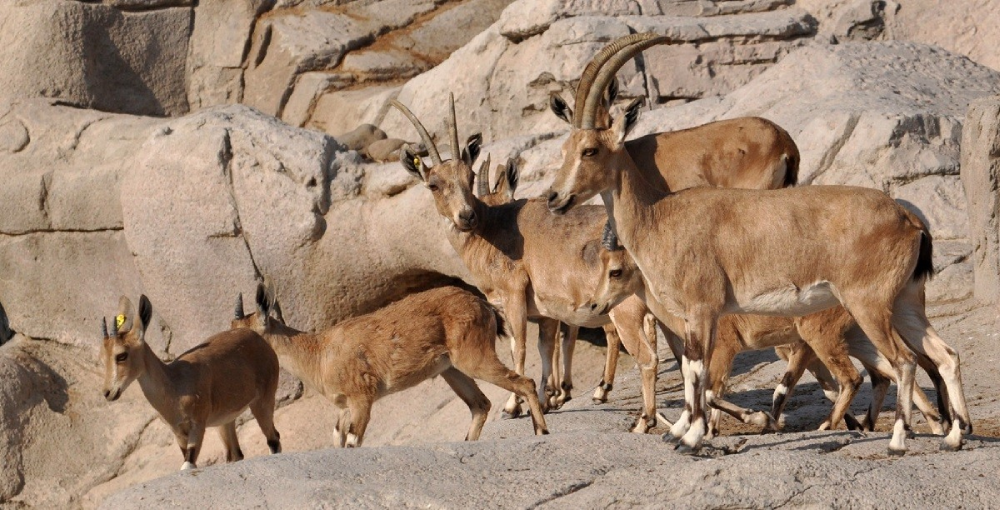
706, 252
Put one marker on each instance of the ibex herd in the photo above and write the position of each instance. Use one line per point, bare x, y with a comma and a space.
703, 232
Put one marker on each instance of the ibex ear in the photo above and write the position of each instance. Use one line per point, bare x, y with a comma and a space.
623, 124
507, 180
412, 163
263, 305
277, 312
145, 313
472, 147
611, 94
560, 108
124, 319
632, 113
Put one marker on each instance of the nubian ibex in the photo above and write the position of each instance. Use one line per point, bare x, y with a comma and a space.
529, 263
820, 342
207, 386
746, 152
708, 252
445, 331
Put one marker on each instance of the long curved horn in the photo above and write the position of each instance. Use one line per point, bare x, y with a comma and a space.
456, 153
595, 65
483, 178
424, 136
609, 239
239, 306
602, 70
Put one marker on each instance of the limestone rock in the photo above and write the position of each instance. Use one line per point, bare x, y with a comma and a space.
96, 56
981, 179
503, 78
384, 150
218, 47
361, 137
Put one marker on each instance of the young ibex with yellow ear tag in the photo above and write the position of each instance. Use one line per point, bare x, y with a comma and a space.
207, 386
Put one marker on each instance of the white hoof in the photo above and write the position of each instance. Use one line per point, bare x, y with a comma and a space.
352, 440
187, 466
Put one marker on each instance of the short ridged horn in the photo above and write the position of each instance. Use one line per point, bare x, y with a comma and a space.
456, 153
483, 178
431, 148
609, 239
602, 69
239, 306
104, 327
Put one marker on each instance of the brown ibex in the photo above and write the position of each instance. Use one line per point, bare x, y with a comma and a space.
530, 263
708, 252
445, 331
207, 386
820, 342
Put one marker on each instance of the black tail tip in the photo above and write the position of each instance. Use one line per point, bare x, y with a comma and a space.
925, 260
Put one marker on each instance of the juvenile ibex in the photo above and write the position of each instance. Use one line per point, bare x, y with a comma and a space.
207, 386
820, 342
708, 252
530, 263
445, 331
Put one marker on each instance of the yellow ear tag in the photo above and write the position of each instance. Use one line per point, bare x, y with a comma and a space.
416, 161
119, 320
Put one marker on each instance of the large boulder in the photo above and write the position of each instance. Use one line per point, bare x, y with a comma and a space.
981, 178
193, 210
96, 56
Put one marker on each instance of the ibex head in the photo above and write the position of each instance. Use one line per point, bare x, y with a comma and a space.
123, 349
620, 277
450, 181
591, 150
262, 320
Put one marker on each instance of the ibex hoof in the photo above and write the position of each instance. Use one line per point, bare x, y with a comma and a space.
640, 426
896, 453
509, 415
686, 449
187, 466
670, 438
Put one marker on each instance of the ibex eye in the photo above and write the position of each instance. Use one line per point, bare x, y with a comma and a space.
121, 357
587, 153
433, 187
615, 273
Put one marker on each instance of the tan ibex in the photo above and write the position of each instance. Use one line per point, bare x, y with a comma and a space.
445, 331
820, 342
746, 152
207, 386
708, 252
531, 264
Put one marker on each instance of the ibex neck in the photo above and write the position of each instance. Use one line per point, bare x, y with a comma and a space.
298, 352
631, 200
157, 385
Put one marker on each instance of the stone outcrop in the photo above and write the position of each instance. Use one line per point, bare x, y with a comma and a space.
502, 79
97, 56
981, 179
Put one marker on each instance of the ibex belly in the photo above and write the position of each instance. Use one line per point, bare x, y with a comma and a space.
789, 300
